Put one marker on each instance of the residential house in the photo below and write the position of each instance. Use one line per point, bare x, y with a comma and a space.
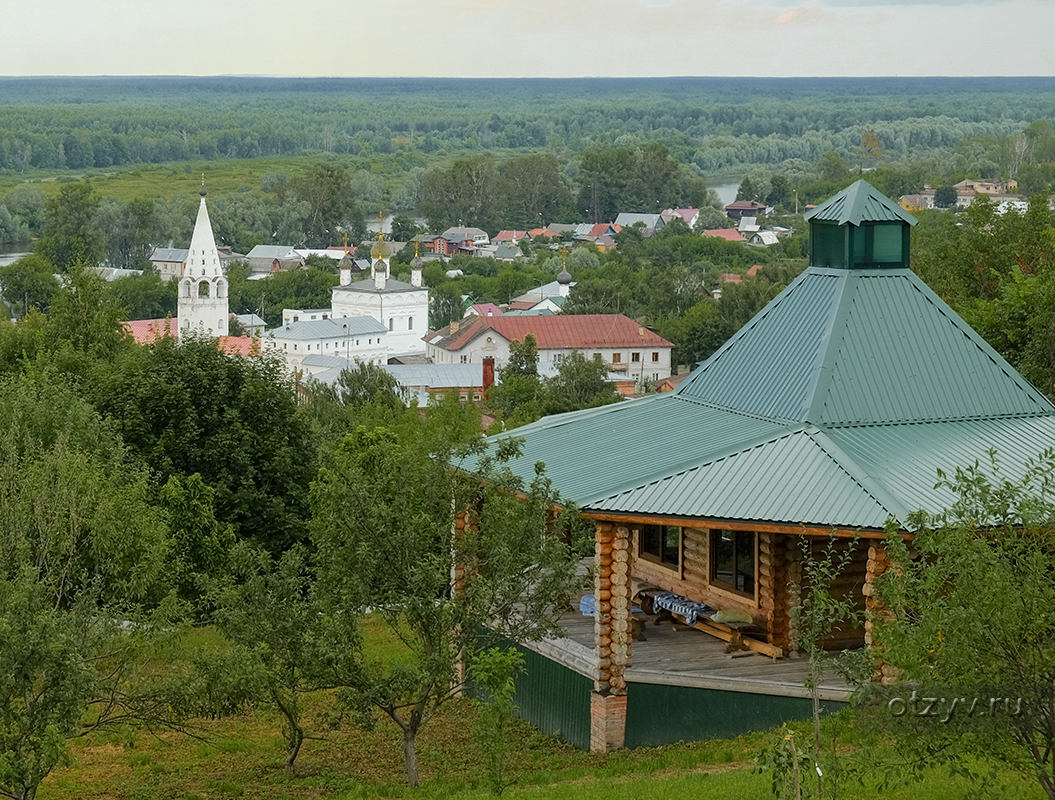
509, 237
266, 258
434, 244
745, 208
625, 346
549, 297
729, 234
559, 229
975, 186
748, 225
689, 215
252, 324
474, 236
825, 419
148, 331
652, 222
763, 239
591, 230
484, 310
669, 384
502, 251
169, 261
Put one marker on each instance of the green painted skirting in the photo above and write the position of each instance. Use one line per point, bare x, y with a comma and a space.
554, 699
658, 715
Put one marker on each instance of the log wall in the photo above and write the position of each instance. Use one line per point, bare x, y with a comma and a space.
778, 578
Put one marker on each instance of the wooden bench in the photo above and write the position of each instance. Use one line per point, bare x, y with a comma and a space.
733, 633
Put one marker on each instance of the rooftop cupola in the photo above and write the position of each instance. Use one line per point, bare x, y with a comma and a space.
859, 228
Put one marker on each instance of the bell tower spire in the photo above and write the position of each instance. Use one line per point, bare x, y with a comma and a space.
203, 301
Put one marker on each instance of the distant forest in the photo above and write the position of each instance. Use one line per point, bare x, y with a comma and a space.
717, 125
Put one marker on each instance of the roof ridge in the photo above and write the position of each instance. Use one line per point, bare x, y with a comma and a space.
742, 333
857, 474
830, 356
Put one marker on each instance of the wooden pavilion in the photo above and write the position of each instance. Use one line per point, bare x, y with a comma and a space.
830, 412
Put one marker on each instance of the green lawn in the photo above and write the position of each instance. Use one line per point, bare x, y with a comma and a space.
241, 756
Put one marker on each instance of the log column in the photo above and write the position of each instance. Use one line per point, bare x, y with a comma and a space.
612, 636
792, 587
775, 596
878, 563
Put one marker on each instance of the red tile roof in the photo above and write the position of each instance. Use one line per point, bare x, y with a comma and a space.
729, 234
147, 331
578, 331
508, 236
730, 277
486, 309
239, 345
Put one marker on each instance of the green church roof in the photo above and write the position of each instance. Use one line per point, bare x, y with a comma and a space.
859, 203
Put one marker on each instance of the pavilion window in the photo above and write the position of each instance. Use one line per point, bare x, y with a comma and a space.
660, 544
732, 560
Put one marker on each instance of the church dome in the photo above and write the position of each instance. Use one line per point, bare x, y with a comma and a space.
380, 250
564, 278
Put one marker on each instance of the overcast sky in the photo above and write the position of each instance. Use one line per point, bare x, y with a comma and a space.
528, 38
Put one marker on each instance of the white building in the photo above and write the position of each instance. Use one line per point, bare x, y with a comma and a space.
203, 286
402, 308
352, 338
624, 346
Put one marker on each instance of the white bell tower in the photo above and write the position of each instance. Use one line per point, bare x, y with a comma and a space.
203, 287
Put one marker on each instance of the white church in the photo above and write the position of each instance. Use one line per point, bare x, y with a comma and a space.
202, 305
369, 320
203, 302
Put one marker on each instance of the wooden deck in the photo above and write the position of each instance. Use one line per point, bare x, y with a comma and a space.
687, 657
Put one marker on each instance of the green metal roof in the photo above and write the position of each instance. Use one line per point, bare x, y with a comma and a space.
844, 347
835, 406
588, 453
857, 204
794, 478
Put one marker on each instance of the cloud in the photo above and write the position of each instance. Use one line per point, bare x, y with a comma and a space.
800, 15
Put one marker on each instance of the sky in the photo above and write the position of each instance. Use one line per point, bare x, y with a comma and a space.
529, 38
